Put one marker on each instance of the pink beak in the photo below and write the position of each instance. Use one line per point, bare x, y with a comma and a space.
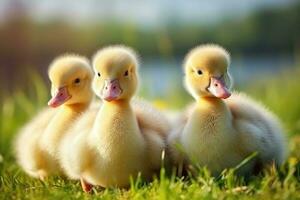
111, 90
60, 97
218, 88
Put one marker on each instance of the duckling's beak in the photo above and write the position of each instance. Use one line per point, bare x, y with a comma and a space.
218, 88
60, 97
111, 90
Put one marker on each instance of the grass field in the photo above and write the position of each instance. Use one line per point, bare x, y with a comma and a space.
280, 93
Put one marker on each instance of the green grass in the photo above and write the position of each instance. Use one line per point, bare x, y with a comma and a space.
281, 94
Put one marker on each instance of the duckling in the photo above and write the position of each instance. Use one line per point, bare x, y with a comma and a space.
125, 137
223, 128
37, 143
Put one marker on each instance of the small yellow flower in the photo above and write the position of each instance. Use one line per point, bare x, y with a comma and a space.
160, 104
293, 161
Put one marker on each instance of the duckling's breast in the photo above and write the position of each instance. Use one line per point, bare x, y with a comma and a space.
208, 140
120, 150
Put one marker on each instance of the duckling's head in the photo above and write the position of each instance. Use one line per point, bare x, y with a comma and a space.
71, 78
206, 72
116, 75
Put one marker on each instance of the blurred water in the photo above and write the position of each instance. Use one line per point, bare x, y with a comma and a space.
158, 76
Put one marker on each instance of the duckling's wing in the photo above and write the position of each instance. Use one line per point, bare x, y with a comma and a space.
26, 141
36, 126
183, 117
150, 118
257, 127
40, 121
243, 107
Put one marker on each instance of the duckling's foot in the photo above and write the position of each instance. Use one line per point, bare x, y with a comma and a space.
86, 187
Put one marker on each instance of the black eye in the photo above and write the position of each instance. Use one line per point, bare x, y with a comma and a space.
77, 80
126, 73
199, 72
98, 74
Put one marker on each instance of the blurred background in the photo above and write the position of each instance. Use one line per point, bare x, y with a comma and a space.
263, 37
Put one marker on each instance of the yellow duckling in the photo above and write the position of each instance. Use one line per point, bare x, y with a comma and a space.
219, 133
125, 137
37, 143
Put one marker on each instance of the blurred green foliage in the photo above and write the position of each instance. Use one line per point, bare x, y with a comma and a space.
26, 43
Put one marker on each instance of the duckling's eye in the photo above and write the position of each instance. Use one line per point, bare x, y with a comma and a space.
98, 74
126, 73
77, 80
199, 72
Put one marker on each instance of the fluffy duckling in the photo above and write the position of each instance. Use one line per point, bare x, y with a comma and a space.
125, 137
37, 143
219, 133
